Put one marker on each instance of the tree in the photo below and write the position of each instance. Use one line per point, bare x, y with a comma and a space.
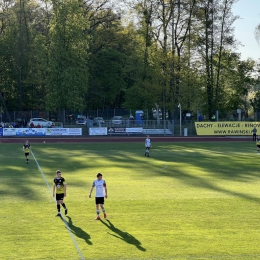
22, 54
108, 47
67, 78
145, 67
215, 34
237, 78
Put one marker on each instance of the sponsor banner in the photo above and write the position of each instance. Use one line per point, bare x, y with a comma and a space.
98, 131
136, 130
23, 131
30, 131
116, 130
75, 131
9, 132
122, 130
226, 128
56, 131
119, 130
1, 131
40, 131
63, 131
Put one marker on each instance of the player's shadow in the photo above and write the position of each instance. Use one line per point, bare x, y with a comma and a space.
125, 236
77, 231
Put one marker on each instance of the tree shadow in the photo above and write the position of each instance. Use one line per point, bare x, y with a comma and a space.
219, 168
77, 231
125, 236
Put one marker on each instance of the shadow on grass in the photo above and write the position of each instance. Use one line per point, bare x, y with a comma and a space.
200, 182
229, 162
125, 236
77, 231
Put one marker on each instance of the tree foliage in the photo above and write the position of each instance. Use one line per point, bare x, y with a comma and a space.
83, 54
67, 77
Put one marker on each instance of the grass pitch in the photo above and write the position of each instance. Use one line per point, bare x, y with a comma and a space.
187, 201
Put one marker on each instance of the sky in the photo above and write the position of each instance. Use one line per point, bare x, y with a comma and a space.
249, 12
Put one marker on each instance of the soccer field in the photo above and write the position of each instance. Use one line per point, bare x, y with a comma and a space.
186, 201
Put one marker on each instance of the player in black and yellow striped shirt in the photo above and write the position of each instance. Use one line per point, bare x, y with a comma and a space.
60, 189
27, 149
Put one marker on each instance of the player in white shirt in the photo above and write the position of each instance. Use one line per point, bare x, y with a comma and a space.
101, 194
148, 146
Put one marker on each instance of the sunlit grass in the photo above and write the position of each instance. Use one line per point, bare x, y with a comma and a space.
187, 201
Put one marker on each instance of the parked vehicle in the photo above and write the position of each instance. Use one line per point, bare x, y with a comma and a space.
117, 120
81, 120
98, 121
36, 122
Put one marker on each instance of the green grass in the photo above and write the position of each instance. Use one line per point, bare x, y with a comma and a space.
187, 201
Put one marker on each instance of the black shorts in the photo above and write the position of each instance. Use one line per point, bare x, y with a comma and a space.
100, 200
26, 154
147, 148
59, 196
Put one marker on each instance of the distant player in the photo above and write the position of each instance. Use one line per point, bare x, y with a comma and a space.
148, 146
60, 189
26, 149
258, 144
101, 194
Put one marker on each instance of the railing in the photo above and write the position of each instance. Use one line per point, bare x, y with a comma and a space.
149, 127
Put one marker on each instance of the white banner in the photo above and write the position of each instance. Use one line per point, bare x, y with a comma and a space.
9, 132
24, 131
56, 131
64, 131
41, 131
74, 131
98, 131
134, 130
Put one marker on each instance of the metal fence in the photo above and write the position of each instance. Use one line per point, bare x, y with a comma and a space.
151, 127
151, 119
70, 117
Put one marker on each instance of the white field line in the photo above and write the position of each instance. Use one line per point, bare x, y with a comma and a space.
65, 222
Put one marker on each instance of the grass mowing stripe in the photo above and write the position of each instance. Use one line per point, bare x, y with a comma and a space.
65, 222
46, 182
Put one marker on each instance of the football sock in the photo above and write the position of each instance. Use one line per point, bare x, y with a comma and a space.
58, 207
104, 211
98, 211
63, 205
